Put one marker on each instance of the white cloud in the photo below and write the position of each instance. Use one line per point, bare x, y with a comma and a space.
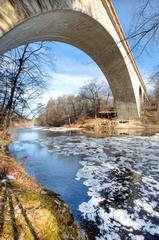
61, 84
68, 73
69, 65
51, 94
68, 82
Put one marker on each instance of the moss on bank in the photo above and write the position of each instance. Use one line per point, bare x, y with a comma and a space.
28, 211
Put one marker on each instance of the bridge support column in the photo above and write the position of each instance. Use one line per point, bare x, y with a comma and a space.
127, 110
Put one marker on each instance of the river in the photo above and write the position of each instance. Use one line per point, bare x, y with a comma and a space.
111, 183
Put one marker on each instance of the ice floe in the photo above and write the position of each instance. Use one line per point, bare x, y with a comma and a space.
54, 129
122, 176
122, 179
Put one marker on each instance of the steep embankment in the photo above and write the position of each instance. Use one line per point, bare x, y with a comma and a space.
27, 211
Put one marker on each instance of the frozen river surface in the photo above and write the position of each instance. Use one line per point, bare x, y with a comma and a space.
111, 184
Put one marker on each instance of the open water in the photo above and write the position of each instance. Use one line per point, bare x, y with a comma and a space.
111, 183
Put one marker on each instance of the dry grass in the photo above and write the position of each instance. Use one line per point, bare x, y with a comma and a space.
27, 211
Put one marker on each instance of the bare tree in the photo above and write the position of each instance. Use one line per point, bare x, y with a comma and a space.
21, 80
72, 108
155, 81
146, 26
92, 93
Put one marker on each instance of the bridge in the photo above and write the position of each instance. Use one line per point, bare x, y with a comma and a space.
90, 25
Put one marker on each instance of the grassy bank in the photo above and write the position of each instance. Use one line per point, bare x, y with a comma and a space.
28, 211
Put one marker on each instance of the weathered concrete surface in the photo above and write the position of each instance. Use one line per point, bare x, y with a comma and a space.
86, 24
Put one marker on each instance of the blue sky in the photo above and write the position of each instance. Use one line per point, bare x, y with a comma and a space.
73, 68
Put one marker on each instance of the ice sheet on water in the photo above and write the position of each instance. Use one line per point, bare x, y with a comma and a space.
122, 176
54, 129
36, 127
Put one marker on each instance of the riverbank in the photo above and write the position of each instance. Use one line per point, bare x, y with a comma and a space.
115, 126
27, 210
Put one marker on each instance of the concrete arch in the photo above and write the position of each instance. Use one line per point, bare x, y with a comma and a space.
144, 99
140, 93
140, 97
77, 22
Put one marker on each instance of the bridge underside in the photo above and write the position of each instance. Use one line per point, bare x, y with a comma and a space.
81, 30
